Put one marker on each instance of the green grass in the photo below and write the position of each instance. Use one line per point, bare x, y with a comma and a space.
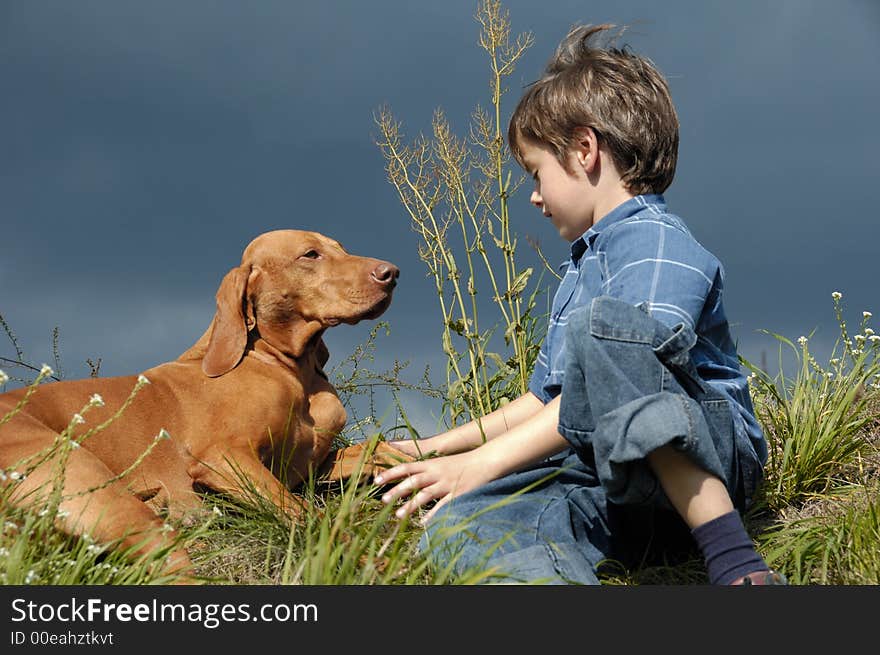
351, 538
33, 551
818, 511
836, 542
821, 424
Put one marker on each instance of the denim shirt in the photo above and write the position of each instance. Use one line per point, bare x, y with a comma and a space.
642, 254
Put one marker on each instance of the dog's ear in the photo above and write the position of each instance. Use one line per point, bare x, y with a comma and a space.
234, 317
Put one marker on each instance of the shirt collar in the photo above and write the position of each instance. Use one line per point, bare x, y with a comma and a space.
623, 211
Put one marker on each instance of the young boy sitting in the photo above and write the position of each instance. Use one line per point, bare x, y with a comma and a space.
637, 410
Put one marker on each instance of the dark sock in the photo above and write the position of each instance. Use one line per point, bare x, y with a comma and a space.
728, 549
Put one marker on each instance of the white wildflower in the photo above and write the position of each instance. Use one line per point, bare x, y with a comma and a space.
166, 528
4, 552
94, 548
63, 513
96, 401
860, 338
74, 444
163, 435
3, 476
3, 378
42, 512
837, 295
834, 362
142, 379
802, 340
78, 419
46, 371
30, 577
869, 332
217, 511
15, 475
857, 351
875, 338
9, 526
867, 314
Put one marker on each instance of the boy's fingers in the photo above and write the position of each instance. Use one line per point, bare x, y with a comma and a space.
409, 485
424, 496
392, 474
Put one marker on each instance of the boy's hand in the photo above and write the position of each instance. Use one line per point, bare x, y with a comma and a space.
440, 479
443, 478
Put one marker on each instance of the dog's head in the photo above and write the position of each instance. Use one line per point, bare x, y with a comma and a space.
290, 287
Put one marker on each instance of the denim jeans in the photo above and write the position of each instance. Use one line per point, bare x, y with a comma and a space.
629, 388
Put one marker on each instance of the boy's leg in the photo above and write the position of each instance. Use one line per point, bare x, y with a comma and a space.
622, 403
697, 495
702, 500
544, 525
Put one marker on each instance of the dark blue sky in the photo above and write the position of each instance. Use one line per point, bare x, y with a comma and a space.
145, 143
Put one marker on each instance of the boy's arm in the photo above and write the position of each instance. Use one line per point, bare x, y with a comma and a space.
470, 435
529, 442
444, 478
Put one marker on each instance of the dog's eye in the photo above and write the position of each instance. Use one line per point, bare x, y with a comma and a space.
312, 254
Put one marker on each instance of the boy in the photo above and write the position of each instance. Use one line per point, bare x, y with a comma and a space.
637, 406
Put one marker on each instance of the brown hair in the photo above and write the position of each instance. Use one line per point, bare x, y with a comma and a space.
620, 95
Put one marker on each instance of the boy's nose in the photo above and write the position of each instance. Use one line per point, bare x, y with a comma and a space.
536, 200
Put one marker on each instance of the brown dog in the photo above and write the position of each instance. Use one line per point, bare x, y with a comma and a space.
250, 393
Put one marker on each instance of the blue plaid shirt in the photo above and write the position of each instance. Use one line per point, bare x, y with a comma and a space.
640, 253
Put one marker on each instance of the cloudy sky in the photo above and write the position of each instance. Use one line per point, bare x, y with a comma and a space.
144, 144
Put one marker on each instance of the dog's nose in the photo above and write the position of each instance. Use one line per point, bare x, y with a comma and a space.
385, 273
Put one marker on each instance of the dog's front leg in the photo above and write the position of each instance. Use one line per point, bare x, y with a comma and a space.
361, 462
238, 471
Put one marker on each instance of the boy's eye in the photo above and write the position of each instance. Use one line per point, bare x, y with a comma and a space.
311, 254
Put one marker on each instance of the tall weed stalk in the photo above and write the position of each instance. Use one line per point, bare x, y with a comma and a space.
456, 192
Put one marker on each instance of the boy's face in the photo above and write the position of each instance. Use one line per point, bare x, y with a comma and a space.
564, 196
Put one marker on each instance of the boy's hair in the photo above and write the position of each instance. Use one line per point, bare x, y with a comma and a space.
620, 95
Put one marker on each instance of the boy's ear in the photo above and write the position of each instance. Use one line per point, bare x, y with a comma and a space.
586, 148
